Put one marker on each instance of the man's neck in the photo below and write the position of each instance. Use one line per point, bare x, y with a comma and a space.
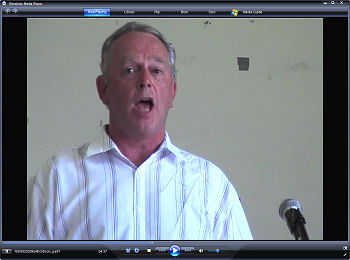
136, 148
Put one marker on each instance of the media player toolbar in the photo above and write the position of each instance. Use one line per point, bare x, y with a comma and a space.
175, 11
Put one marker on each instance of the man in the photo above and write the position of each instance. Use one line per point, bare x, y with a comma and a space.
131, 182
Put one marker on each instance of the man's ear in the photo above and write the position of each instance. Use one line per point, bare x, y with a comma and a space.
102, 89
173, 89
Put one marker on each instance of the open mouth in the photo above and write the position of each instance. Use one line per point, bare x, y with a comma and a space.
145, 105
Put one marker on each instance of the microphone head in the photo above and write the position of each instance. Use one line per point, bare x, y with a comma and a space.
287, 205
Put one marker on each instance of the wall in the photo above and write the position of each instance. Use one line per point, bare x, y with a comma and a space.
262, 127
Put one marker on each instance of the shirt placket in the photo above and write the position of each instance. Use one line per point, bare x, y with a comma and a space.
139, 206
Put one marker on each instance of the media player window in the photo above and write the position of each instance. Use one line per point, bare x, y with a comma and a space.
203, 129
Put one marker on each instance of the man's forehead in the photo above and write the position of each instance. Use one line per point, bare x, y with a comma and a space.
133, 58
129, 46
132, 40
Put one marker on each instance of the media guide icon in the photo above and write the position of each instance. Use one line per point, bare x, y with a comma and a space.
174, 250
234, 12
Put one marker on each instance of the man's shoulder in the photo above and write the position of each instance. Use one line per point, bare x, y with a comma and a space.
70, 155
64, 160
215, 181
62, 165
201, 165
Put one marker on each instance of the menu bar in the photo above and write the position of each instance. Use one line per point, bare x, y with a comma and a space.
173, 11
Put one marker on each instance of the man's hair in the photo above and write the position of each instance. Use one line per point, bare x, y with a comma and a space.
134, 27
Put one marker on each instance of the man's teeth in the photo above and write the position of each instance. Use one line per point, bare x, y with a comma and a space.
145, 105
145, 109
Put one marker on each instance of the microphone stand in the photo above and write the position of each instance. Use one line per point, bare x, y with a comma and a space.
296, 222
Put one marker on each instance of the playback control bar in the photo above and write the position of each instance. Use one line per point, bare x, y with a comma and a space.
176, 250
170, 252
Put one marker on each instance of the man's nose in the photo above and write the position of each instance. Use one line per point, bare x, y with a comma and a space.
145, 80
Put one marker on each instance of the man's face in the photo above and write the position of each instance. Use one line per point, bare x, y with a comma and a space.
140, 89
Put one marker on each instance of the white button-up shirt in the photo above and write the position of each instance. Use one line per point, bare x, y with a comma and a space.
96, 193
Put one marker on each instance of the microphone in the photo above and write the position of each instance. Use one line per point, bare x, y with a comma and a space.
290, 211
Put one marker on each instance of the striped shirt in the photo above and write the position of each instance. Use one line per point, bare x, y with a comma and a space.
96, 193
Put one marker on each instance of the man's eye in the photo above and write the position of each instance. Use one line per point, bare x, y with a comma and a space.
157, 71
129, 70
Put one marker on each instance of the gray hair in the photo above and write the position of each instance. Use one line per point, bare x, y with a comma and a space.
134, 27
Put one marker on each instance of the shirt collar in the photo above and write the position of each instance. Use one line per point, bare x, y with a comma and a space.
167, 145
103, 143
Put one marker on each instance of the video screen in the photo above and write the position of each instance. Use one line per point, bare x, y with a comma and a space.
175, 130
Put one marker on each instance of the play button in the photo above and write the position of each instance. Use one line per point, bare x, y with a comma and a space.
174, 250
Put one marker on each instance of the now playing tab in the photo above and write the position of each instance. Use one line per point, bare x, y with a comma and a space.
97, 12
